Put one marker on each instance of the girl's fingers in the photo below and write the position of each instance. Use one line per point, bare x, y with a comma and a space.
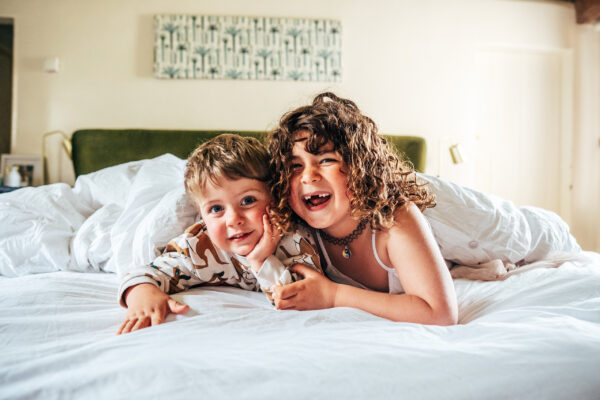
303, 270
288, 291
285, 305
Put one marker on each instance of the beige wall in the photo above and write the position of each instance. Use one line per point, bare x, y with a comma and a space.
585, 221
409, 64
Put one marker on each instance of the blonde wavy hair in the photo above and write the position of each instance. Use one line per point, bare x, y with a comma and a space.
380, 180
226, 156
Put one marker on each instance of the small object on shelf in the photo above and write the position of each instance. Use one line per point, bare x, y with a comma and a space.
13, 179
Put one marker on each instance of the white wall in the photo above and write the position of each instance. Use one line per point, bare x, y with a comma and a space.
409, 64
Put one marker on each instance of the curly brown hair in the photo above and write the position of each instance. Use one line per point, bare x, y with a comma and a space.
379, 178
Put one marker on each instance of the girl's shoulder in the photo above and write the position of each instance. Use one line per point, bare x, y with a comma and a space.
409, 237
402, 236
407, 217
409, 224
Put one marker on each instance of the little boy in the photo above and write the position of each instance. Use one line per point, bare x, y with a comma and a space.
234, 244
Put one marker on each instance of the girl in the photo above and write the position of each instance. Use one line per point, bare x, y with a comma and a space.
336, 174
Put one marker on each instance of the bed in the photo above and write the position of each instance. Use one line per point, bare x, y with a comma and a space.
533, 335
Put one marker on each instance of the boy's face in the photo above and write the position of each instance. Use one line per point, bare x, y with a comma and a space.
233, 212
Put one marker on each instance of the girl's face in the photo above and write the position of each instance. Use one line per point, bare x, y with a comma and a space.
319, 193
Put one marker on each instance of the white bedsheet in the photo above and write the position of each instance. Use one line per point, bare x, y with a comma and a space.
533, 336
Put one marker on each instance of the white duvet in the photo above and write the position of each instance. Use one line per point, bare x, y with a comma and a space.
534, 335
121, 216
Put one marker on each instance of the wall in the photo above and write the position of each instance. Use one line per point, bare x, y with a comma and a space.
409, 64
585, 222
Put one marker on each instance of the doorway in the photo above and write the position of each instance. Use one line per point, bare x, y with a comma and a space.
523, 124
6, 78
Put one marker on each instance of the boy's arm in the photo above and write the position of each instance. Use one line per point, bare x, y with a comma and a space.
174, 270
144, 290
148, 306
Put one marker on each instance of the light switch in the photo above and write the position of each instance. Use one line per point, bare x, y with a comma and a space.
51, 64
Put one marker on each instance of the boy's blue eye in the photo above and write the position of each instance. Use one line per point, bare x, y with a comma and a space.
215, 209
248, 200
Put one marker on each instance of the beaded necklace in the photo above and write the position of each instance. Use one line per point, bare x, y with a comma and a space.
346, 240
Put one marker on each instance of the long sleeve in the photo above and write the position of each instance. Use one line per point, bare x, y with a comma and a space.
189, 260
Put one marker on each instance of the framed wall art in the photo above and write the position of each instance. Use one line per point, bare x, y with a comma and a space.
255, 48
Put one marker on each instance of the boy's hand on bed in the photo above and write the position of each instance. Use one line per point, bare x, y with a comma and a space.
314, 292
266, 245
147, 306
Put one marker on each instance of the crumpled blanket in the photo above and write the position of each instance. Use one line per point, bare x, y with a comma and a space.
122, 216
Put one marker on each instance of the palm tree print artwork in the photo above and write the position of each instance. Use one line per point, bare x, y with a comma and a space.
256, 48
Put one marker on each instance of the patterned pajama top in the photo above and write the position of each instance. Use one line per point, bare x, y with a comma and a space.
192, 260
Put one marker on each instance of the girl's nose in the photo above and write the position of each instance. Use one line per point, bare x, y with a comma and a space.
310, 174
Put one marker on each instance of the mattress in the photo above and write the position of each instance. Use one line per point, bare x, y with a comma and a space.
534, 335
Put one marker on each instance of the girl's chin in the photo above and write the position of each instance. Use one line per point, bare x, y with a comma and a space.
316, 222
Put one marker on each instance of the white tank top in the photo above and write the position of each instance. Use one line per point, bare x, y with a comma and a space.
395, 287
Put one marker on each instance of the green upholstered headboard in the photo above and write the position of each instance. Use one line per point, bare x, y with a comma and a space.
94, 149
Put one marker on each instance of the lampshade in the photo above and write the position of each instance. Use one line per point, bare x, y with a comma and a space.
66, 145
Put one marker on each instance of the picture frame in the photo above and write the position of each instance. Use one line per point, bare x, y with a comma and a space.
30, 168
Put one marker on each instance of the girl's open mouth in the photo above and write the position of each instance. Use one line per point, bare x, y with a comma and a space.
316, 200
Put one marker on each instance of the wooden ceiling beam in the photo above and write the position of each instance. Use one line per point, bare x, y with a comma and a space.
588, 11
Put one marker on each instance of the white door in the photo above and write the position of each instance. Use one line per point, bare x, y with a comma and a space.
522, 133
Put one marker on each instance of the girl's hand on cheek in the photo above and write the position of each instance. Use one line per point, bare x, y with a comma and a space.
314, 292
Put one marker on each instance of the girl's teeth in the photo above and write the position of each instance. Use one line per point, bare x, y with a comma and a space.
318, 195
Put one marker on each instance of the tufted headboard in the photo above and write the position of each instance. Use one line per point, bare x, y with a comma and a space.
94, 149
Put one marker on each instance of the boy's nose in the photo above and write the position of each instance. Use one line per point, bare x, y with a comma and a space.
234, 218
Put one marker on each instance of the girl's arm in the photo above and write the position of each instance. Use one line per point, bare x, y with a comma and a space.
429, 299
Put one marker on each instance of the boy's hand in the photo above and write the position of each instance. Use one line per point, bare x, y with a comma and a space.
314, 292
148, 306
265, 247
